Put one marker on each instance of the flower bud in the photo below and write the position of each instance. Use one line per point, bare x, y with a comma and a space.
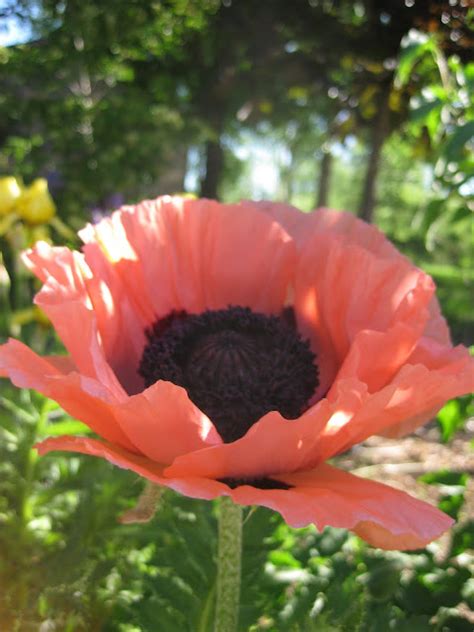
10, 191
36, 206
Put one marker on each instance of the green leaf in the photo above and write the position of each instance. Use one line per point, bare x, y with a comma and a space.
450, 419
452, 504
283, 558
66, 427
383, 581
331, 541
454, 145
410, 57
417, 623
463, 539
428, 114
445, 477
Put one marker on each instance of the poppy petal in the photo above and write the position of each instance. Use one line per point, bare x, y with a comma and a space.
295, 222
359, 233
66, 302
383, 516
354, 231
80, 396
200, 254
345, 296
273, 444
113, 453
454, 379
412, 398
72, 292
195, 487
62, 363
326, 496
163, 422
332, 223
375, 357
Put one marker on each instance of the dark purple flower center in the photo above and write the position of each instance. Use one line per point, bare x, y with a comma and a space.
236, 365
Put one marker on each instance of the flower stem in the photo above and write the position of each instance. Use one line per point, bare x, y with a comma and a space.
228, 566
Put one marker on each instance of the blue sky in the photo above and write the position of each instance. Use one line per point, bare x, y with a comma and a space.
12, 31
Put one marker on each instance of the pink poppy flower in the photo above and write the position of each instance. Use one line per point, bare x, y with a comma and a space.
233, 349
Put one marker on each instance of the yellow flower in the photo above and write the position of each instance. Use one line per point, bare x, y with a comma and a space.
187, 196
10, 191
36, 206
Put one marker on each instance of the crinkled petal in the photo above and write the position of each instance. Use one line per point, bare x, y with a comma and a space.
273, 444
177, 254
357, 232
454, 379
113, 453
302, 226
64, 364
195, 487
161, 256
413, 396
346, 298
354, 231
326, 496
447, 361
295, 222
80, 396
65, 300
161, 422
383, 516
122, 314
121, 326
437, 327
375, 357
343, 225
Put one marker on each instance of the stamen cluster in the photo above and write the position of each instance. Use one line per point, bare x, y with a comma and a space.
235, 364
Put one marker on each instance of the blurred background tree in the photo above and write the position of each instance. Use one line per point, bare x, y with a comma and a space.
359, 105
365, 106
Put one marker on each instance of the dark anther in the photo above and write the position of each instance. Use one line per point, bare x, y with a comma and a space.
236, 365
261, 483
288, 316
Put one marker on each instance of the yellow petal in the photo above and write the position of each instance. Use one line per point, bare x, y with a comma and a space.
35, 205
10, 191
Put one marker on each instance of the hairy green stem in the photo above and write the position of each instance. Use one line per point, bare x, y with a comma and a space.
228, 566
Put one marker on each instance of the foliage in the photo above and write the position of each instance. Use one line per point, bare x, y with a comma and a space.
66, 560
453, 415
101, 122
105, 101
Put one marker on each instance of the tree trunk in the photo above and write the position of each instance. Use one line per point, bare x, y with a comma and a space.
381, 131
324, 178
214, 169
287, 177
171, 180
